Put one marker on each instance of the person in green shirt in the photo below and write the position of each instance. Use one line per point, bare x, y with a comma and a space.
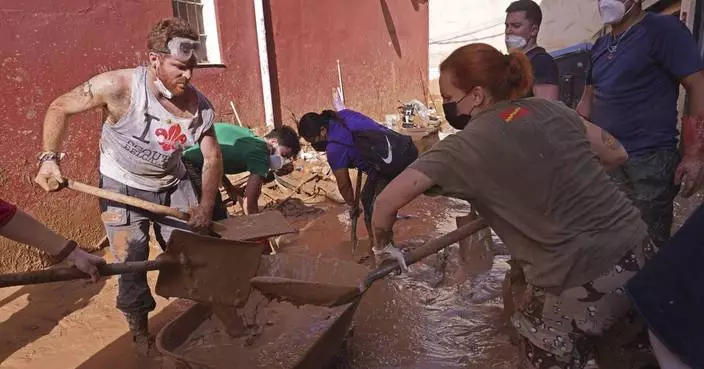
243, 151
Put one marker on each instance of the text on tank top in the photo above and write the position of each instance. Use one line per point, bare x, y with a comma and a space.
143, 149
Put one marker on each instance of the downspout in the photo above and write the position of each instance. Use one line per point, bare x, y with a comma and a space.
264, 63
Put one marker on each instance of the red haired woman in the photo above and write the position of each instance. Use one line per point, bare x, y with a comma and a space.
534, 170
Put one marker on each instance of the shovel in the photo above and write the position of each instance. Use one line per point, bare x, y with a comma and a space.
319, 291
252, 227
196, 267
129, 200
353, 225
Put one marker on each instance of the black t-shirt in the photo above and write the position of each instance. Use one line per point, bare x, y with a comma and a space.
545, 70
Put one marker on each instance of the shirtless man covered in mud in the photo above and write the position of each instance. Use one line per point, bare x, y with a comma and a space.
150, 114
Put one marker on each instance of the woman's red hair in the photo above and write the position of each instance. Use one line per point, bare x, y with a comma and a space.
504, 76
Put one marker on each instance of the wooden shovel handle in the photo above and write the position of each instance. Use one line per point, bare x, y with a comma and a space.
428, 249
68, 274
124, 199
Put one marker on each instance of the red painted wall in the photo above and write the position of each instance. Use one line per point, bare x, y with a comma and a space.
382, 46
48, 47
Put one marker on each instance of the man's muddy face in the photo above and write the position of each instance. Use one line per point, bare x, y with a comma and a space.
175, 74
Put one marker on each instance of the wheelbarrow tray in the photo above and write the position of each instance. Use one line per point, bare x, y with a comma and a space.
305, 337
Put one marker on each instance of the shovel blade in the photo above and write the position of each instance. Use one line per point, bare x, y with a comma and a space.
212, 270
302, 279
255, 226
300, 292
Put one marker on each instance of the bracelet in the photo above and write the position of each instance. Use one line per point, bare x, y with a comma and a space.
65, 252
50, 156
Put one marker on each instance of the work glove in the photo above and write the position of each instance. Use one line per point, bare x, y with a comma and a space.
390, 253
690, 172
85, 262
337, 100
353, 210
49, 171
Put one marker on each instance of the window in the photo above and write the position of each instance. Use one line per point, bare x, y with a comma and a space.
200, 14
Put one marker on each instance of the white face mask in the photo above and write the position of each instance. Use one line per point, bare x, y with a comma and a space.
276, 162
613, 11
162, 89
515, 42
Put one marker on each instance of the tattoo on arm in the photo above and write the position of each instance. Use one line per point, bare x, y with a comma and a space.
609, 141
87, 89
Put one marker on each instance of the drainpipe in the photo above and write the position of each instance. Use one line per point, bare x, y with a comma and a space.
264, 63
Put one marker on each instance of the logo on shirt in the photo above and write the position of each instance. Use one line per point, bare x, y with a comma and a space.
513, 113
389, 157
172, 139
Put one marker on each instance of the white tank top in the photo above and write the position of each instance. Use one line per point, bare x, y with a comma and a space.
143, 149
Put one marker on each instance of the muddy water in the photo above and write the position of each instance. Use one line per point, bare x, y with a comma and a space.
437, 315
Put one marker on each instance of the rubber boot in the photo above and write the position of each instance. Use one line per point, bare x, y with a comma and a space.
142, 341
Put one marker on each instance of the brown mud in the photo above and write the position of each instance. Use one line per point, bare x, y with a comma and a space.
439, 315
429, 318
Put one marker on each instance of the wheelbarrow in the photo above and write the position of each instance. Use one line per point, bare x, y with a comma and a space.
284, 336
305, 337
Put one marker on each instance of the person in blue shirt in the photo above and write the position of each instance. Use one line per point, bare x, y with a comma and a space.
632, 91
668, 294
332, 132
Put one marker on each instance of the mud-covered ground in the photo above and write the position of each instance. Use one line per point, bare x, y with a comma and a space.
436, 316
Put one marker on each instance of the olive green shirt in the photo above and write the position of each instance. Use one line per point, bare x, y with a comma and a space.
527, 167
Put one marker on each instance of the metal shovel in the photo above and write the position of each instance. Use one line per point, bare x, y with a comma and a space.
318, 290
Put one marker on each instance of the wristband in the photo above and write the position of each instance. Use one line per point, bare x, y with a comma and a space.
50, 156
65, 252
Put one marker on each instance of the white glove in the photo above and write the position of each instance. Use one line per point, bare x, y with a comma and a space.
337, 100
390, 252
85, 262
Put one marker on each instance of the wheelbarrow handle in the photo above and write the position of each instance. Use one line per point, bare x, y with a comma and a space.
427, 249
71, 273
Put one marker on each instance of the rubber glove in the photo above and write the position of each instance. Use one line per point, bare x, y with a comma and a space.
690, 172
392, 253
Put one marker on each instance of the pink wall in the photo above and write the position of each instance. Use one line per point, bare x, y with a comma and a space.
382, 46
49, 47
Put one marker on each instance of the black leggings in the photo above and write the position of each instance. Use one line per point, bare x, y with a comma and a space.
372, 188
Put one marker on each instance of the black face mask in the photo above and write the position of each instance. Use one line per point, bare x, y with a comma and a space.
320, 145
456, 121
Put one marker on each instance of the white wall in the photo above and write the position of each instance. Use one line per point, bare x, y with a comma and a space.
454, 23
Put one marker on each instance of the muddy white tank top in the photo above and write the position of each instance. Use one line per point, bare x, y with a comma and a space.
143, 149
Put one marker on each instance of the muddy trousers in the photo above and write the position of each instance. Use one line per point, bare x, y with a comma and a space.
128, 232
595, 319
648, 180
